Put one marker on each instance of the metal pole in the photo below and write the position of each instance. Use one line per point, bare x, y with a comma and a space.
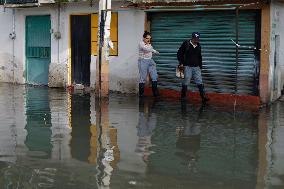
101, 44
102, 85
237, 49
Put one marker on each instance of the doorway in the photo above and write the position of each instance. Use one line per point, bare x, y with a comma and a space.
80, 49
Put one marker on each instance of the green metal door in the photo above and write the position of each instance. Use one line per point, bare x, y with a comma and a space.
224, 70
37, 49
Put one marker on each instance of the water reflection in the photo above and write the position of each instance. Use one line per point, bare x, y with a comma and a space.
189, 137
108, 155
80, 123
275, 143
38, 125
52, 139
146, 124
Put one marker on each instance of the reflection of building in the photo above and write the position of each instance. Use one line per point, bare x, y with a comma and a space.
113, 143
61, 131
38, 125
80, 117
93, 144
13, 121
104, 150
124, 116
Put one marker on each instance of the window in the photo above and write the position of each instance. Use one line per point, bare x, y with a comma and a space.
113, 34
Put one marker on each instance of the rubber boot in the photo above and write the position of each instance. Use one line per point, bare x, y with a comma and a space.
183, 91
202, 93
155, 88
141, 89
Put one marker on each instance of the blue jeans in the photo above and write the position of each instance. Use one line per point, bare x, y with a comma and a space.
190, 72
147, 66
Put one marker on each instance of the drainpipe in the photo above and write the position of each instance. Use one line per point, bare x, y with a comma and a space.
58, 29
12, 36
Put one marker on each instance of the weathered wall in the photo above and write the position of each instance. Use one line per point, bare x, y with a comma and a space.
123, 68
58, 69
275, 153
276, 75
6, 50
130, 31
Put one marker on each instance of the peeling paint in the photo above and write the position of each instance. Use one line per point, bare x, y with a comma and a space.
57, 75
124, 85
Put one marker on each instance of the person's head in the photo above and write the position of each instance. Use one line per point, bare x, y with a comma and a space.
195, 37
147, 37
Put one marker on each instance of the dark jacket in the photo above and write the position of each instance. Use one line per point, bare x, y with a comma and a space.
189, 56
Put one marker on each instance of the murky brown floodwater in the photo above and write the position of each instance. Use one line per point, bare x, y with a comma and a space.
52, 139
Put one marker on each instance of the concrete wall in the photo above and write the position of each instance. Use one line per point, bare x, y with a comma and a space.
6, 58
130, 30
274, 147
276, 75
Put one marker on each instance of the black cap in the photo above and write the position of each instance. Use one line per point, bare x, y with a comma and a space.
195, 35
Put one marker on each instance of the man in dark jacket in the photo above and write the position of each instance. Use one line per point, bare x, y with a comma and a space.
190, 60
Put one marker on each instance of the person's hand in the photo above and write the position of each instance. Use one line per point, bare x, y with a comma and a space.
157, 52
181, 67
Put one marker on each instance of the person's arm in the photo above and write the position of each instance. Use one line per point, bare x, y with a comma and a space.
180, 53
147, 48
200, 58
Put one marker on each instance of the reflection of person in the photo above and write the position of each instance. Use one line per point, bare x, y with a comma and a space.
188, 138
190, 60
146, 124
147, 65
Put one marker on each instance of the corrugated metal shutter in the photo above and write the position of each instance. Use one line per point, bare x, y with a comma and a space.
217, 29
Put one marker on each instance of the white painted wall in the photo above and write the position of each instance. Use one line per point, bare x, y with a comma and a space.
124, 69
6, 65
277, 28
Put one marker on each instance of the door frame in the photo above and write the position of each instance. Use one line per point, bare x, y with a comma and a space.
69, 67
25, 43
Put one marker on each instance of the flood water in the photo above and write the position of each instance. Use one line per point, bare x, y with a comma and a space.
50, 138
